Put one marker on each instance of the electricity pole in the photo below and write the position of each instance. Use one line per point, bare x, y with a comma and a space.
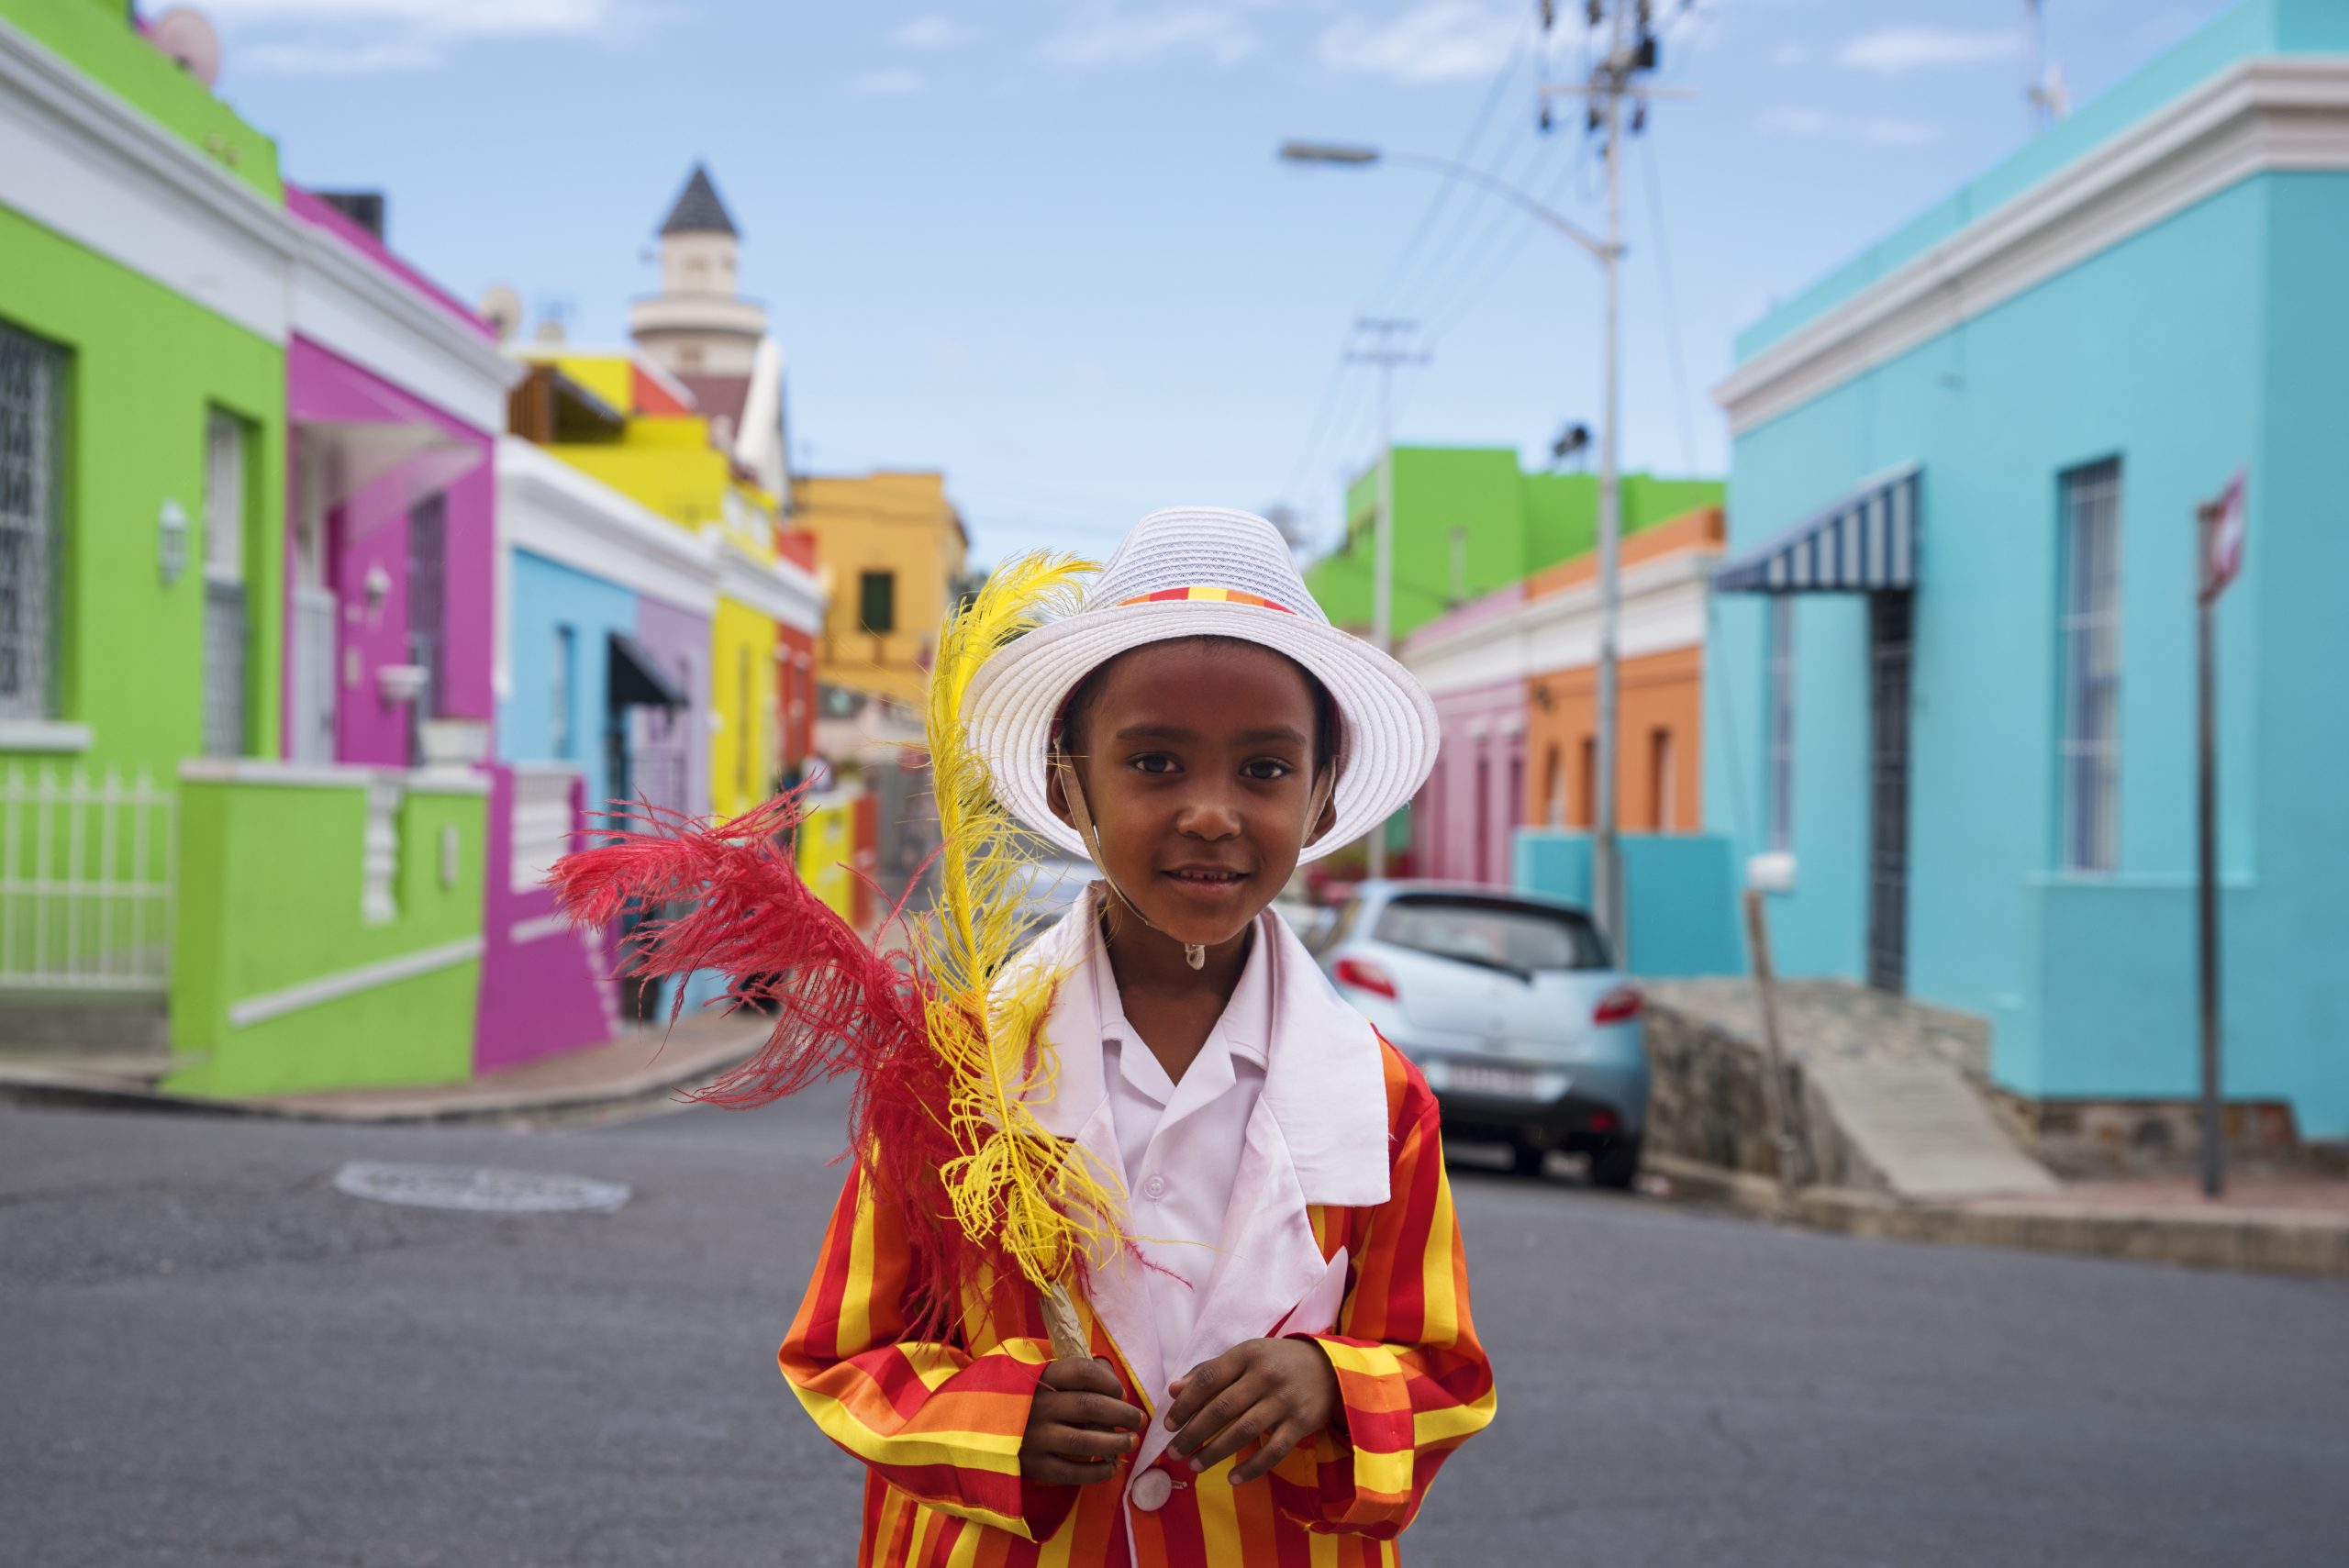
1386, 351
1631, 53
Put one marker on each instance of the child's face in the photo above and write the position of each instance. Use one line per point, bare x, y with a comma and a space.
1197, 758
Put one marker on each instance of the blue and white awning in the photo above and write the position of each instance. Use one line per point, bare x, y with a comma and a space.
1864, 543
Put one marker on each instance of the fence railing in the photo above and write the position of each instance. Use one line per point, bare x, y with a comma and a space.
86, 872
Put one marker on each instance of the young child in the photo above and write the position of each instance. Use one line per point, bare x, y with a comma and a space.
1291, 1358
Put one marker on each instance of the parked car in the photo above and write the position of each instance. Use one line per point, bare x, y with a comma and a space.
1512, 1006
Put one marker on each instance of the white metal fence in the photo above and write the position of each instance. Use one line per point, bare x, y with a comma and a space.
86, 873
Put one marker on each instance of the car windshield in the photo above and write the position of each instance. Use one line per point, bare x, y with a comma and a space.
1495, 933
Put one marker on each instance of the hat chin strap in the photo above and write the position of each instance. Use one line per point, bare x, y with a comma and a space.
1194, 953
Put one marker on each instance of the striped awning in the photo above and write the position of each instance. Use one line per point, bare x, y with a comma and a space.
1864, 543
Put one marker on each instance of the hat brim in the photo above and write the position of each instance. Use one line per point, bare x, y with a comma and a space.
1388, 722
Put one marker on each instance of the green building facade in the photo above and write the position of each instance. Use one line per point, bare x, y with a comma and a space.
1468, 521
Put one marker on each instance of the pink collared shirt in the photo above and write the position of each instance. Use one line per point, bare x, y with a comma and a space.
1181, 1142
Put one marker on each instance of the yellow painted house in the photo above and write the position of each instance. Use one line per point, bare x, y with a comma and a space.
643, 444
893, 551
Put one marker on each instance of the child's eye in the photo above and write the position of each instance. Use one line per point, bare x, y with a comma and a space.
1266, 769
1151, 762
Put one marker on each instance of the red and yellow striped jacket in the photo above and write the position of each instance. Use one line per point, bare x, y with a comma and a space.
937, 1424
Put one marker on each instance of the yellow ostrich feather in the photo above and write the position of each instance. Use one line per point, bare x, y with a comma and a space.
1017, 1185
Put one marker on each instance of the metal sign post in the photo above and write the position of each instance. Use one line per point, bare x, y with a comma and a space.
2218, 557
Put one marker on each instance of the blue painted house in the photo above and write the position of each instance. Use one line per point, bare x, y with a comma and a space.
1954, 620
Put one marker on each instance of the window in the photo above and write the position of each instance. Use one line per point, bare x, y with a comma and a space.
225, 628
1586, 803
427, 586
32, 405
1492, 932
876, 600
1779, 740
2089, 761
1482, 813
561, 680
1554, 786
1661, 801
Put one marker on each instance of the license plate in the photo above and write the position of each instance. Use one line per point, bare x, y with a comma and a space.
1475, 1078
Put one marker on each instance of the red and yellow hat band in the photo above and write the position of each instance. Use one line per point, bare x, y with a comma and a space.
1208, 595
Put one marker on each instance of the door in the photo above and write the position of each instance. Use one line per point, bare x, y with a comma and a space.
428, 577
1891, 617
310, 724
226, 632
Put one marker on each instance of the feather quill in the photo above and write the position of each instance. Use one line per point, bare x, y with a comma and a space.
944, 1041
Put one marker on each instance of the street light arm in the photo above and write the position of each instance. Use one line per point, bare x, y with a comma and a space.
1598, 249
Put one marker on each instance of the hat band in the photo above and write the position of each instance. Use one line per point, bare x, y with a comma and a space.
1210, 595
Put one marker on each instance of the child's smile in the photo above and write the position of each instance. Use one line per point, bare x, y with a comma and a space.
1198, 758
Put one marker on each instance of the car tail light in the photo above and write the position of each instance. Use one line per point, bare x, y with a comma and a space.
1617, 1005
1364, 975
1603, 1121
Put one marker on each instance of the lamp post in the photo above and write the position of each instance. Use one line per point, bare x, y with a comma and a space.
1606, 876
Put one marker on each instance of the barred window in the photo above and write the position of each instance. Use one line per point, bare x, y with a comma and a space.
2089, 751
32, 398
226, 628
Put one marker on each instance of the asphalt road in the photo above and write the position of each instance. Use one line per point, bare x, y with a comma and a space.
210, 1356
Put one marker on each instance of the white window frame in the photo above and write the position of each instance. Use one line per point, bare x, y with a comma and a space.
38, 647
562, 681
2089, 631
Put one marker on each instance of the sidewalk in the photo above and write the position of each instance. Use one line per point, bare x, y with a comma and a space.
2269, 1221
629, 1076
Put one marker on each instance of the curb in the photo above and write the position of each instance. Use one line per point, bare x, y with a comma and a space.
2273, 1241
645, 1091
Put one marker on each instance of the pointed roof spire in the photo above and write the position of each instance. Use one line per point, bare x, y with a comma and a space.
698, 210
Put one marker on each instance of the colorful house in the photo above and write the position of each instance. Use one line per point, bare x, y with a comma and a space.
1958, 612
894, 552
1512, 675
1469, 520
248, 607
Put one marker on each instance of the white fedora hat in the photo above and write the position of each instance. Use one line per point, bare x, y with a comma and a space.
1203, 571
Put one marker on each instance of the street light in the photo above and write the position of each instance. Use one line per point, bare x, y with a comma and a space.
1607, 879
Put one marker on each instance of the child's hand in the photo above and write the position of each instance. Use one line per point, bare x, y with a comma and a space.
1077, 1426
1273, 1393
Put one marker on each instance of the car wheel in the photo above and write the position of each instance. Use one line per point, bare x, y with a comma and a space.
1526, 1158
1617, 1166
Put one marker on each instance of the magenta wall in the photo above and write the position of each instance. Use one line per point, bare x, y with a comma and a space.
544, 994
370, 530
1448, 824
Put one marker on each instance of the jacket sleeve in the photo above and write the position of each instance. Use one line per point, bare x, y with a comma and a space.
938, 1423
1413, 1384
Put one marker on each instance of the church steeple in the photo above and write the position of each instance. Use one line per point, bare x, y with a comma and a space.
698, 210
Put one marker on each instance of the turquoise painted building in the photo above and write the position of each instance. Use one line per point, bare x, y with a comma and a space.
1954, 626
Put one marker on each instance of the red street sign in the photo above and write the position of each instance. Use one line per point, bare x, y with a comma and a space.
2223, 561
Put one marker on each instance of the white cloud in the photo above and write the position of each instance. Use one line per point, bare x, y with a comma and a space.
1110, 35
1791, 54
1440, 40
887, 85
443, 19
335, 59
1878, 130
1898, 49
933, 32
342, 38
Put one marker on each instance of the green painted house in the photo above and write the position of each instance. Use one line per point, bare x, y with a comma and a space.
1468, 521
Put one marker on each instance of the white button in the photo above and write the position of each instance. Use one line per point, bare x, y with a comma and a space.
1152, 1488
1154, 1188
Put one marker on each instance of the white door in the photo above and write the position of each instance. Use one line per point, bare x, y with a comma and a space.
312, 643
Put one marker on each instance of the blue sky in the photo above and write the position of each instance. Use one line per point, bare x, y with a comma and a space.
1046, 247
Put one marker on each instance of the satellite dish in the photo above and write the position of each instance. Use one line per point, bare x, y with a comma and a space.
185, 35
502, 308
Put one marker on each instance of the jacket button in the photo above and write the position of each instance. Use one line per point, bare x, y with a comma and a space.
1151, 1490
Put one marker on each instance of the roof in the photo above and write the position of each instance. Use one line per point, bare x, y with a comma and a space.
698, 210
